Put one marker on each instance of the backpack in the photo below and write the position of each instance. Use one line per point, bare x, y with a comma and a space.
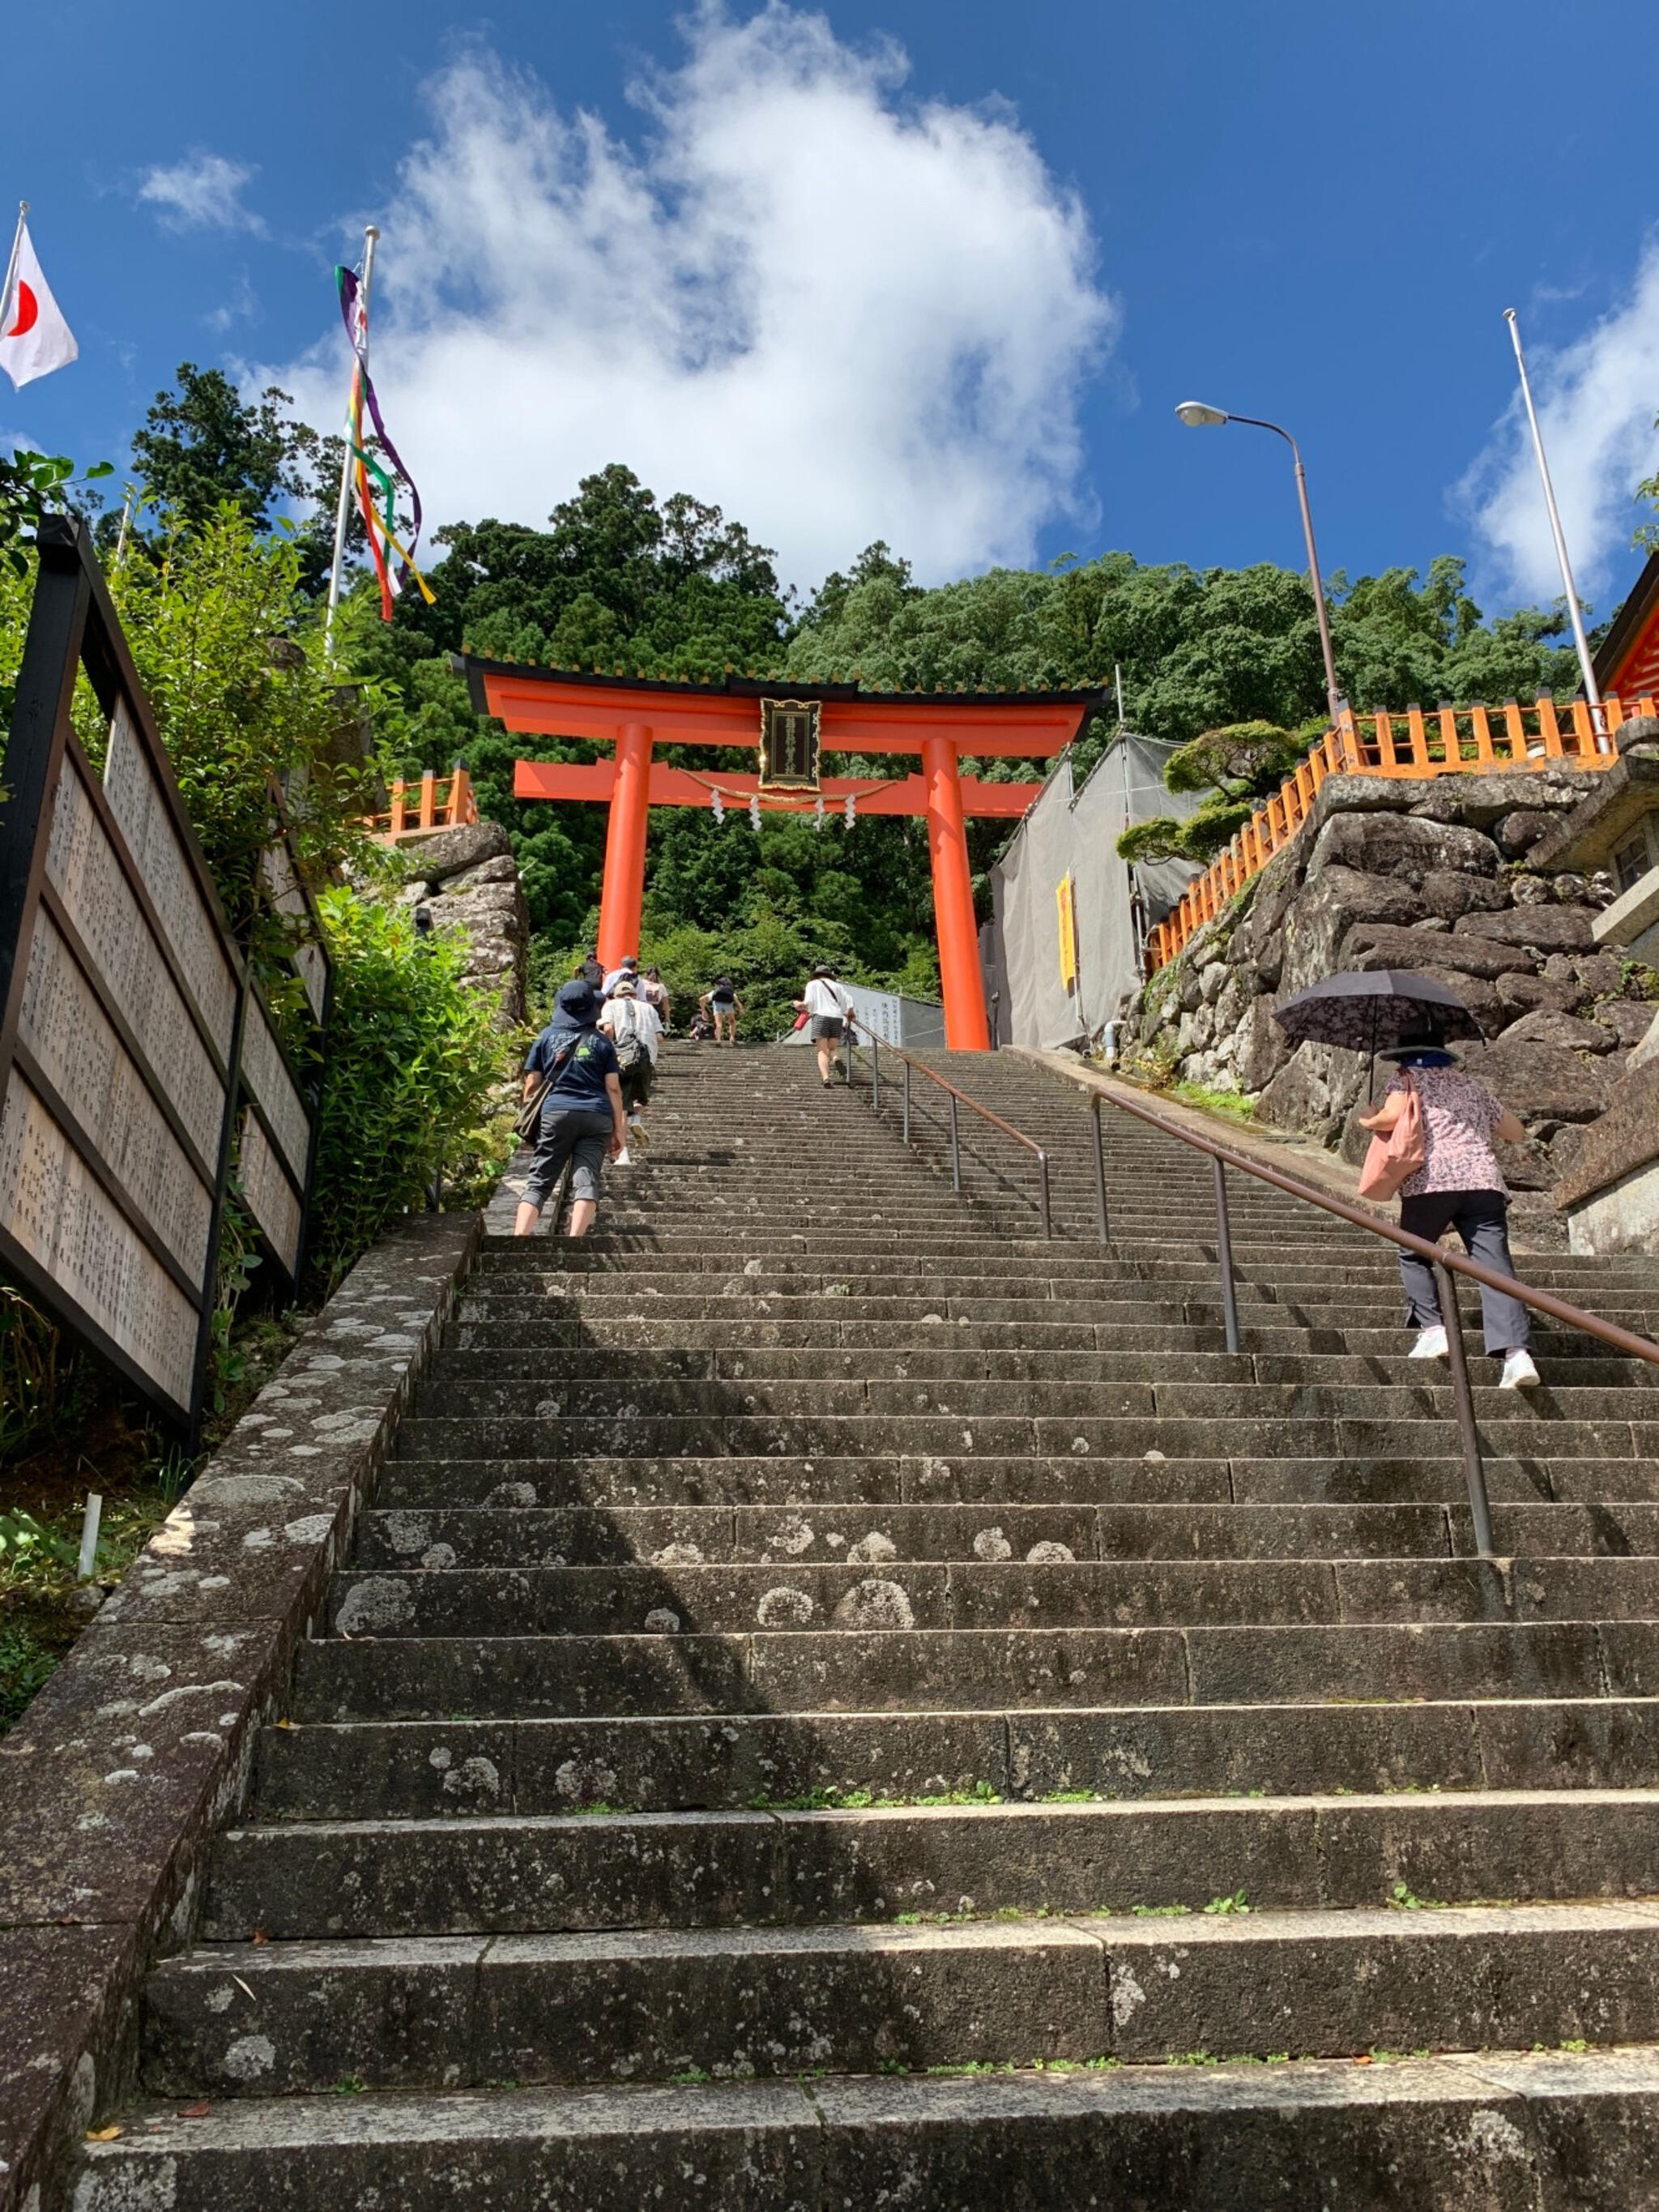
1395, 1158
629, 1046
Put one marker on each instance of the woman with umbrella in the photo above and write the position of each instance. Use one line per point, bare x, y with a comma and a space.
1407, 1019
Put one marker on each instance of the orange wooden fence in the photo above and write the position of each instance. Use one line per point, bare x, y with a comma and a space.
1449, 741
442, 802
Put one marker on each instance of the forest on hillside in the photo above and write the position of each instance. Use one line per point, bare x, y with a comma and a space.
624, 578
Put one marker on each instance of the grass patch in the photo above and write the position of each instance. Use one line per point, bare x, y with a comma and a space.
1232, 1104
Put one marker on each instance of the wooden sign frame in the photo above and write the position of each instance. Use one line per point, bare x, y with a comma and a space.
124, 1007
789, 746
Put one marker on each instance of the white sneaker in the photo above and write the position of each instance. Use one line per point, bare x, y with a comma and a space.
624, 1159
1431, 1345
1519, 1373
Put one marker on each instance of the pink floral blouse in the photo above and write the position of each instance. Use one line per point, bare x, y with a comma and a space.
1459, 1115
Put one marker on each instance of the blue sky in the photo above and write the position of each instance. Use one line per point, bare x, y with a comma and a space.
937, 273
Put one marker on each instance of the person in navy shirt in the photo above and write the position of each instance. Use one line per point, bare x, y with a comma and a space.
582, 1118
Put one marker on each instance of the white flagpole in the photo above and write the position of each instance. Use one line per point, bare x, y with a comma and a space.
342, 513
11, 266
1592, 691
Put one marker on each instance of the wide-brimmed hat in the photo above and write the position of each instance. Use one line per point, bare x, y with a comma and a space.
822, 969
1418, 1041
624, 989
577, 1001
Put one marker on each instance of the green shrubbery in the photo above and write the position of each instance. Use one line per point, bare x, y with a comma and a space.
413, 1063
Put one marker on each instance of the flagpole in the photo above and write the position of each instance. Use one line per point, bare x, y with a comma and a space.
359, 367
1592, 690
16, 255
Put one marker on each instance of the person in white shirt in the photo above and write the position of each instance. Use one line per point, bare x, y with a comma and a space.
632, 1026
831, 1010
629, 968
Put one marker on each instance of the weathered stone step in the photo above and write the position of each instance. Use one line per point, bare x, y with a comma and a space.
526, 1325
661, 1763
477, 1536
1497, 2133
1331, 1478
505, 1361
1051, 1590
418, 1678
528, 1875
831, 1436
451, 2011
1153, 1392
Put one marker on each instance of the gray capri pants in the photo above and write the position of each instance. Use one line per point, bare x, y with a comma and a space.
574, 1134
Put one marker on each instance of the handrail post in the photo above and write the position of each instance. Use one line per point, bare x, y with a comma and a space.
875, 1072
956, 1149
1224, 1251
1043, 1174
1475, 1473
1100, 1169
907, 1102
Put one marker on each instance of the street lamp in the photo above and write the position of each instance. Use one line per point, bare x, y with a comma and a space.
1198, 417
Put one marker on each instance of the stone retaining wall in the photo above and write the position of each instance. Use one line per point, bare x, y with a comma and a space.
118, 1774
468, 881
1429, 875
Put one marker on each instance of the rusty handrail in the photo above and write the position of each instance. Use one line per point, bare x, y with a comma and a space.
958, 1098
1446, 1264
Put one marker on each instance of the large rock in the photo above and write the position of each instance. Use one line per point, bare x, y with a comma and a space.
1328, 905
1373, 944
1401, 846
1631, 1020
1259, 1047
1647, 1050
1519, 832
1540, 928
1314, 1091
447, 852
1448, 892
1639, 734
1599, 972
1258, 945
1524, 992
1539, 1082
1544, 1025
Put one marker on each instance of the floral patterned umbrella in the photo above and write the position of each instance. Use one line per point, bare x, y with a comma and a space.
1366, 1010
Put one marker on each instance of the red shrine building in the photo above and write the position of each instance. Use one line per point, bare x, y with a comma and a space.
790, 728
1627, 663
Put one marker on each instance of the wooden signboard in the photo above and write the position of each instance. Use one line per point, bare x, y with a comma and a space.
125, 1015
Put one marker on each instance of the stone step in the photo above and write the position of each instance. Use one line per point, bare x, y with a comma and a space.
990, 1481
459, 2011
522, 1874
1049, 1588
1153, 1393
477, 1536
622, 1370
504, 1675
583, 1535
829, 1436
661, 1763
1494, 2133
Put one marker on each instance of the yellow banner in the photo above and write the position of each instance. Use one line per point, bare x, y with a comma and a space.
1064, 900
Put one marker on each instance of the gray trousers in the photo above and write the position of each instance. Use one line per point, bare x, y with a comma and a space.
1480, 1217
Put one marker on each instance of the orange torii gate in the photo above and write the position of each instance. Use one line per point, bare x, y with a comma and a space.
634, 713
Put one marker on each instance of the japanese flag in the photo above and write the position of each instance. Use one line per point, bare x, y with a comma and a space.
34, 339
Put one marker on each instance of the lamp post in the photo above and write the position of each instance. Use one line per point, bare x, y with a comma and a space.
1198, 417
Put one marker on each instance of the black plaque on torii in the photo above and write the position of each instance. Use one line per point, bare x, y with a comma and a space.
789, 744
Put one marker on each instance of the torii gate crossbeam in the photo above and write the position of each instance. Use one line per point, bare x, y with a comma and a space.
634, 713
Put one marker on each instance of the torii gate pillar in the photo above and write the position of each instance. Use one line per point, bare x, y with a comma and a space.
623, 891
966, 1028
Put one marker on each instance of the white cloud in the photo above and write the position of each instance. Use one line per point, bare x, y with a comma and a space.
201, 192
1596, 401
841, 316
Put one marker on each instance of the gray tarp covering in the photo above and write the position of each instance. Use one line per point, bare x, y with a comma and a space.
1077, 830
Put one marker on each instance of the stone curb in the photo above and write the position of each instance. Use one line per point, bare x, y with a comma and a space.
114, 1781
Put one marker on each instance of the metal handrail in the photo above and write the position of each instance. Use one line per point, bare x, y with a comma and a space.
1444, 1263
958, 1098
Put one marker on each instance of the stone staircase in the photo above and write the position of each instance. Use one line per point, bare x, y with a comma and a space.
840, 1703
